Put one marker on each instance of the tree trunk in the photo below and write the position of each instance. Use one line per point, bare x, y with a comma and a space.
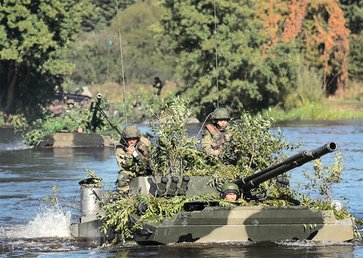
9, 102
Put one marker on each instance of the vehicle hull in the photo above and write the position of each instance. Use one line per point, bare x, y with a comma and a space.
75, 140
251, 223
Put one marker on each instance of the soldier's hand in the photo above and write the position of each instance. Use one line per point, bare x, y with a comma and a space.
216, 153
131, 149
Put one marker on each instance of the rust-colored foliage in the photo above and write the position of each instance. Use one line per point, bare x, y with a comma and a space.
271, 12
318, 25
293, 24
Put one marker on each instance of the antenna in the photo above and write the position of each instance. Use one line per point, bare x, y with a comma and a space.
216, 56
122, 62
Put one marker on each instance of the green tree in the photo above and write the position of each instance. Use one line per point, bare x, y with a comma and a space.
95, 59
353, 10
105, 12
97, 54
144, 48
229, 34
34, 39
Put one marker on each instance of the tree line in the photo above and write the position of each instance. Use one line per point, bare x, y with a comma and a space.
248, 55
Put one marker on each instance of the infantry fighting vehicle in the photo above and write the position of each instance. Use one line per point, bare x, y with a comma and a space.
81, 139
74, 140
202, 221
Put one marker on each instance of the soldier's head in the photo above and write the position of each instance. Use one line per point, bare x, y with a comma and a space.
70, 103
220, 117
131, 134
230, 192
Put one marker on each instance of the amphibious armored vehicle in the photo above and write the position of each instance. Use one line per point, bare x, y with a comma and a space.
81, 139
74, 140
208, 221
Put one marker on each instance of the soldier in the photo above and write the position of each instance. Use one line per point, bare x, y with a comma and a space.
70, 104
75, 113
216, 133
158, 84
132, 157
230, 192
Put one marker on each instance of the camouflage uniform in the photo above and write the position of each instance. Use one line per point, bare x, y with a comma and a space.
134, 164
214, 138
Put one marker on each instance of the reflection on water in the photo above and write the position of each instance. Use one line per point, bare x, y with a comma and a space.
26, 177
271, 250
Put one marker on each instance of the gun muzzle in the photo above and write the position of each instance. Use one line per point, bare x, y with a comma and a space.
99, 96
184, 185
162, 186
173, 186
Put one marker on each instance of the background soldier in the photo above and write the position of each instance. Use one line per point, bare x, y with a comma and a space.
70, 104
216, 133
132, 157
158, 84
230, 192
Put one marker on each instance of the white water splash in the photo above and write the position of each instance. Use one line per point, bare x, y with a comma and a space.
17, 145
49, 222
309, 243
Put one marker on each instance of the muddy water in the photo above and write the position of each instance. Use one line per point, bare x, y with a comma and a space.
30, 227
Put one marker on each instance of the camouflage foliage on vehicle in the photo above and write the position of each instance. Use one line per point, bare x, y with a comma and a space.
175, 152
255, 145
69, 121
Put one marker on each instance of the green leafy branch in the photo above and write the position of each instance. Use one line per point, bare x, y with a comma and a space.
324, 177
54, 197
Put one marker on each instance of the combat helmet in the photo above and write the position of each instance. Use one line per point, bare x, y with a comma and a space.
131, 131
70, 101
230, 188
220, 114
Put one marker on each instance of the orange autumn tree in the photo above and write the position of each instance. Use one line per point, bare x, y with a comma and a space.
319, 27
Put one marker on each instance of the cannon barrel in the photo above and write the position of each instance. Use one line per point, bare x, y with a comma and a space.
253, 181
289, 160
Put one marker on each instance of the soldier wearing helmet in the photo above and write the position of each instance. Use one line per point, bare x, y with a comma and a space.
70, 103
132, 157
230, 192
216, 133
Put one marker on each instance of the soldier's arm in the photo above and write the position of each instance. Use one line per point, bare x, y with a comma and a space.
144, 149
124, 159
207, 144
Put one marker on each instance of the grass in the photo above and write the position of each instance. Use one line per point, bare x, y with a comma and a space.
312, 108
305, 104
115, 92
308, 103
326, 110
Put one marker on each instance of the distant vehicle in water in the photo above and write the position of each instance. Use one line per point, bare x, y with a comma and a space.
74, 140
83, 119
203, 221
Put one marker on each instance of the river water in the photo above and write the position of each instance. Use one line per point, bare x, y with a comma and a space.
31, 227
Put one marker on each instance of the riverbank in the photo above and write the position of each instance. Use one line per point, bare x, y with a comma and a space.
329, 110
349, 108
326, 110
